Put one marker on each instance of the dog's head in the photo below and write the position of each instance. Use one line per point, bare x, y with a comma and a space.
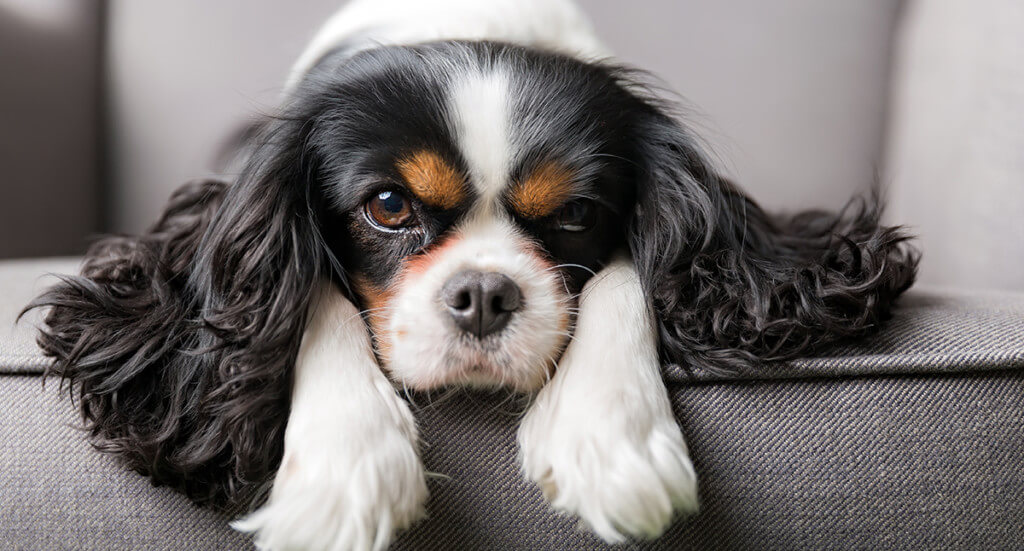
469, 191
465, 191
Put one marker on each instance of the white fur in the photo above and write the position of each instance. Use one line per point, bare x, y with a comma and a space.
601, 439
480, 113
430, 352
556, 25
351, 474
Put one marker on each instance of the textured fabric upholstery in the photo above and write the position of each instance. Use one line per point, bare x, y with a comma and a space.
876, 463
910, 440
59, 493
933, 331
20, 281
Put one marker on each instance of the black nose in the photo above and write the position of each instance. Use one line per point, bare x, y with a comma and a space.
481, 303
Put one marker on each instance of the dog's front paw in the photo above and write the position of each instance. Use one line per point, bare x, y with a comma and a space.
600, 439
620, 466
354, 500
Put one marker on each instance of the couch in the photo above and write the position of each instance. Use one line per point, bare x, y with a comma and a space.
912, 439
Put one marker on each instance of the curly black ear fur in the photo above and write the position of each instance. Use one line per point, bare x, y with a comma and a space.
180, 341
733, 287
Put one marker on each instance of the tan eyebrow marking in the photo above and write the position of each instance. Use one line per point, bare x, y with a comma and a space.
548, 187
432, 179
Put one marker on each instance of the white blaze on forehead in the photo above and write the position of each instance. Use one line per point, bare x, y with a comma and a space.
480, 116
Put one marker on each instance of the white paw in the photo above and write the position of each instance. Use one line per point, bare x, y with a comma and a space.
622, 470
356, 501
600, 439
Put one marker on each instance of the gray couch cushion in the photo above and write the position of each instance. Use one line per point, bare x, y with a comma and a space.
909, 440
59, 493
20, 282
932, 331
871, 463
877, 463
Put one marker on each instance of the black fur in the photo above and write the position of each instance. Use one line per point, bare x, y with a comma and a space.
734, 288
180, 343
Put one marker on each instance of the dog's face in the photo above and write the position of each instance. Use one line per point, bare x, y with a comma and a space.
471, 190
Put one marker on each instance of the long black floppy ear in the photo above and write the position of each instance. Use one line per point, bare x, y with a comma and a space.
734, 287
179, 342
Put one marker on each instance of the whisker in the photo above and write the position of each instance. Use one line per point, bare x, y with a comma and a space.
550, 373
580, 266
500, 406
524, 401
567, 335
367, 311
408, 396
447, 395
565, 282
610, 156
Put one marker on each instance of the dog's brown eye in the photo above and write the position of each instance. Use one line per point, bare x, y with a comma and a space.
390, 209
576, 215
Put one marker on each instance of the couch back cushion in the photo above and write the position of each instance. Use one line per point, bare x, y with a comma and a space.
789, 95
49, 125
956, 146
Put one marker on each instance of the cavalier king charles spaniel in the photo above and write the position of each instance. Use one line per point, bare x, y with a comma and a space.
453, 193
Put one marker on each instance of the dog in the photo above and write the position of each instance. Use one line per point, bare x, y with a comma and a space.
454, 193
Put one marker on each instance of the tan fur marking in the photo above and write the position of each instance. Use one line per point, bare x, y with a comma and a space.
376, 300
547, 188
434, 181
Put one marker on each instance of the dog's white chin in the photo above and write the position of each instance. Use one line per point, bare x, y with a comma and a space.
469, 366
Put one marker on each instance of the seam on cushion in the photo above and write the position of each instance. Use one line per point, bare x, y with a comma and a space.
1014, 371
975, 352
868, 365
955, 360
23, 364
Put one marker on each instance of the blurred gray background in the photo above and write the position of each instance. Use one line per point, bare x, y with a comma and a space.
107, 106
